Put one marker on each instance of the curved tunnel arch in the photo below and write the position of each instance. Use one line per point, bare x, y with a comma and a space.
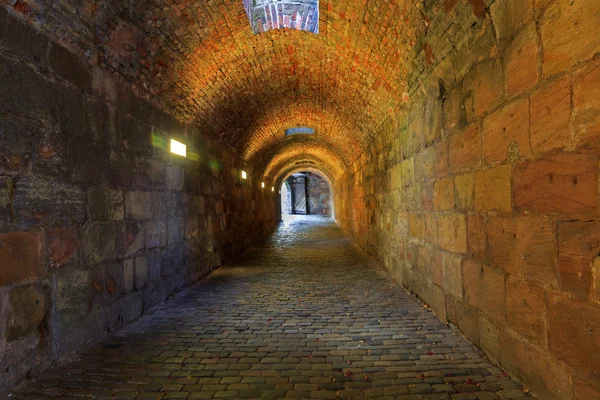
281, 179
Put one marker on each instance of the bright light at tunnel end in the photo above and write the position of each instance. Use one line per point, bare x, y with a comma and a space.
178, 148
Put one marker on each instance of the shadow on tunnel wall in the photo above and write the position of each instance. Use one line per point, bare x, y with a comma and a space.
98, 221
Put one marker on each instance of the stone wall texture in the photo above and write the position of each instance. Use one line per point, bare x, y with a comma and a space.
98, 221
482, 195
318, 195
461, 137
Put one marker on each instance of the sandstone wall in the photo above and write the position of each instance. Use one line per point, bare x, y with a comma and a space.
318, 195
481, 194
98, 221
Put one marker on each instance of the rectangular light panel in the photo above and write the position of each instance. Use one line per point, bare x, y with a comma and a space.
178, 148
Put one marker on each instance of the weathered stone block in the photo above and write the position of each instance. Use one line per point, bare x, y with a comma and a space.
443, 194
114, 282
526, 310
74, 291
150, 174
484, 289
573, 328
174, 177
154, 264
489, 338
465, 149
156, 234
566, 38
69, 67
105, 204
506, 133
141, 271
521, 62
465, 194
586, 107
23, 256
596, 280
550, 113
452, 275
38, 200
18, 39
154, 293
26, 93
453, 110
476, 237
133, 239
578, 246
564, 183
493, 189
63, 246
100, 242
467, 320
482, 88
452, 233
509, 15
139, 205
537, 370
6, 188
416, 225
441, 158
128, 275
28, 308
524, 246
175, 230
88, 162
121, 169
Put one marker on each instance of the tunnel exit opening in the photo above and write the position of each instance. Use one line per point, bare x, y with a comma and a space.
306, 193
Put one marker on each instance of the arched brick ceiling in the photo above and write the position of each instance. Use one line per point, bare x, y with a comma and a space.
200, 61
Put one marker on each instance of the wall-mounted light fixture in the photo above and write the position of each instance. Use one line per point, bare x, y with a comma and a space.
262, 184
272, 188
244, 175
178, 148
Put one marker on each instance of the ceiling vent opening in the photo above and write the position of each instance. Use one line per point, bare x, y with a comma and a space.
301, 15
299, 131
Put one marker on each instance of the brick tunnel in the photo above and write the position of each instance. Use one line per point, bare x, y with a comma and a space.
448, 153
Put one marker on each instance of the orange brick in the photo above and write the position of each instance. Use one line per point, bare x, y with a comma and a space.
521, 62
586, 107
464, 150
484, 85
526, 310
578, 245
484, 289
564, 183
441, 159
506, 133
492, 189
452, 233
464, 191
568, 34
525, 247
476, 236
510, 15
443, 196
23, 256
572, 328
550, 113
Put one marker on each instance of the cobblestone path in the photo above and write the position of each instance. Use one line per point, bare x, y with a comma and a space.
304, 315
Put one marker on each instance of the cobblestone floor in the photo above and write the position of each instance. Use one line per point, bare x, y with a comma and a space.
305, 315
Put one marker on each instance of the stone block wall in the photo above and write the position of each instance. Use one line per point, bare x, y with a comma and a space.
318, 195
482, 194
98, 221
